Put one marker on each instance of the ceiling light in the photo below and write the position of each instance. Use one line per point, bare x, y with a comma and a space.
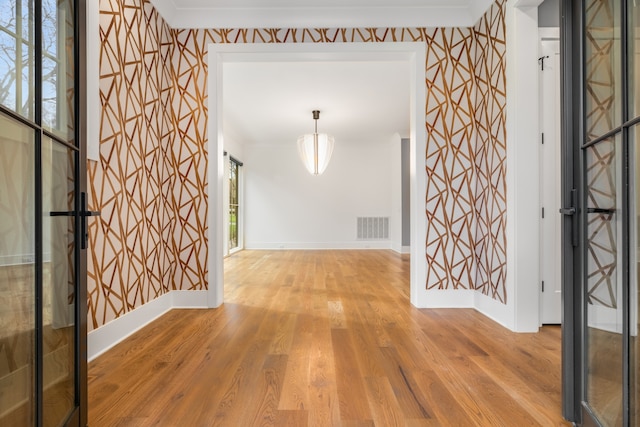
315, 149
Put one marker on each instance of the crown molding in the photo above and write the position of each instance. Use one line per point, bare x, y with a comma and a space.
322, 17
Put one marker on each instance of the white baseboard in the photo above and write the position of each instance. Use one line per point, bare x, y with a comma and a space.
360, 244
189, 299
496, 311
445, 298
107, 336
465, 298
401, 249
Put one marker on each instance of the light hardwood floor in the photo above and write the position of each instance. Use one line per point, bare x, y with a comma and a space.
326, 338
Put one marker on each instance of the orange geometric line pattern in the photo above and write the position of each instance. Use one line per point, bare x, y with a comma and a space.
129, 265
151, 180
449, 159
490, 154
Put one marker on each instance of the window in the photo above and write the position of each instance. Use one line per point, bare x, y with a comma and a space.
234, 203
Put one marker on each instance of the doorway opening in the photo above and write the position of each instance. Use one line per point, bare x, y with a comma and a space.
550, 171
411, 53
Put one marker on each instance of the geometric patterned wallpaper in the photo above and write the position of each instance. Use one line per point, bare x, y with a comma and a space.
150, 182
451, 138
131, 259
490, 154
466, 153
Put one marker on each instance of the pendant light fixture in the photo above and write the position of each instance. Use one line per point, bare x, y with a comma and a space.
315, 149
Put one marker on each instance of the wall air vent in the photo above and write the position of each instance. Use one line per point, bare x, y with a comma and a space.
373, 228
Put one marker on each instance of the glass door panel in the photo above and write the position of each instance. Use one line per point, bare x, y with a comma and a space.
59, 285
634, 58
17, 275
634, 273
57, 68
602, 67
604, 217
41, 268
17, 72
604, 342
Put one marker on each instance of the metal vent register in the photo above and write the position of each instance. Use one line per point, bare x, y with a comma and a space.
373, 227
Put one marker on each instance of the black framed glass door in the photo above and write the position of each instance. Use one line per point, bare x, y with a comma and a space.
42, 264
602, 103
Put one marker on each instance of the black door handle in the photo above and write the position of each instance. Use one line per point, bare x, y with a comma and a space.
601, 211
84, 214
572, 212
72, 213
567, 211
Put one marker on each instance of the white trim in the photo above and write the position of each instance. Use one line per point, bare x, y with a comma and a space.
215, 177
110, 334
445, 298
412, 53
342, 16
521, 20
93, 79
550, 172
402, 250
417, 174
496, 311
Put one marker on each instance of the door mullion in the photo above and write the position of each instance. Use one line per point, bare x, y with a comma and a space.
39, 303
626, 248
37, 114
626, 371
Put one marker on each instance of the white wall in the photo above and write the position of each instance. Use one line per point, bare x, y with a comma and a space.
233, 146
395, 223
286, 207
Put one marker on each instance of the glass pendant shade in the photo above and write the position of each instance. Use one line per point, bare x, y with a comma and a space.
315, 151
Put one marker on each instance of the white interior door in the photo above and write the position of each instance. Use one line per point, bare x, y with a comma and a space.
550, 267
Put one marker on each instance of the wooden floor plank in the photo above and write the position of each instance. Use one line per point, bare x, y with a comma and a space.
324, 408
383, 402
326, 338
295, 391
351, 391
412, 402
443, 403
261, 407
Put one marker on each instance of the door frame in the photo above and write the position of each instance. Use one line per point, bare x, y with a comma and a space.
411, 53
549, 219
571, 49
82, 113
575, 325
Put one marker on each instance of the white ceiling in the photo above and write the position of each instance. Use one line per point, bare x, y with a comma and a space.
271, 103
320, 13
360, 102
